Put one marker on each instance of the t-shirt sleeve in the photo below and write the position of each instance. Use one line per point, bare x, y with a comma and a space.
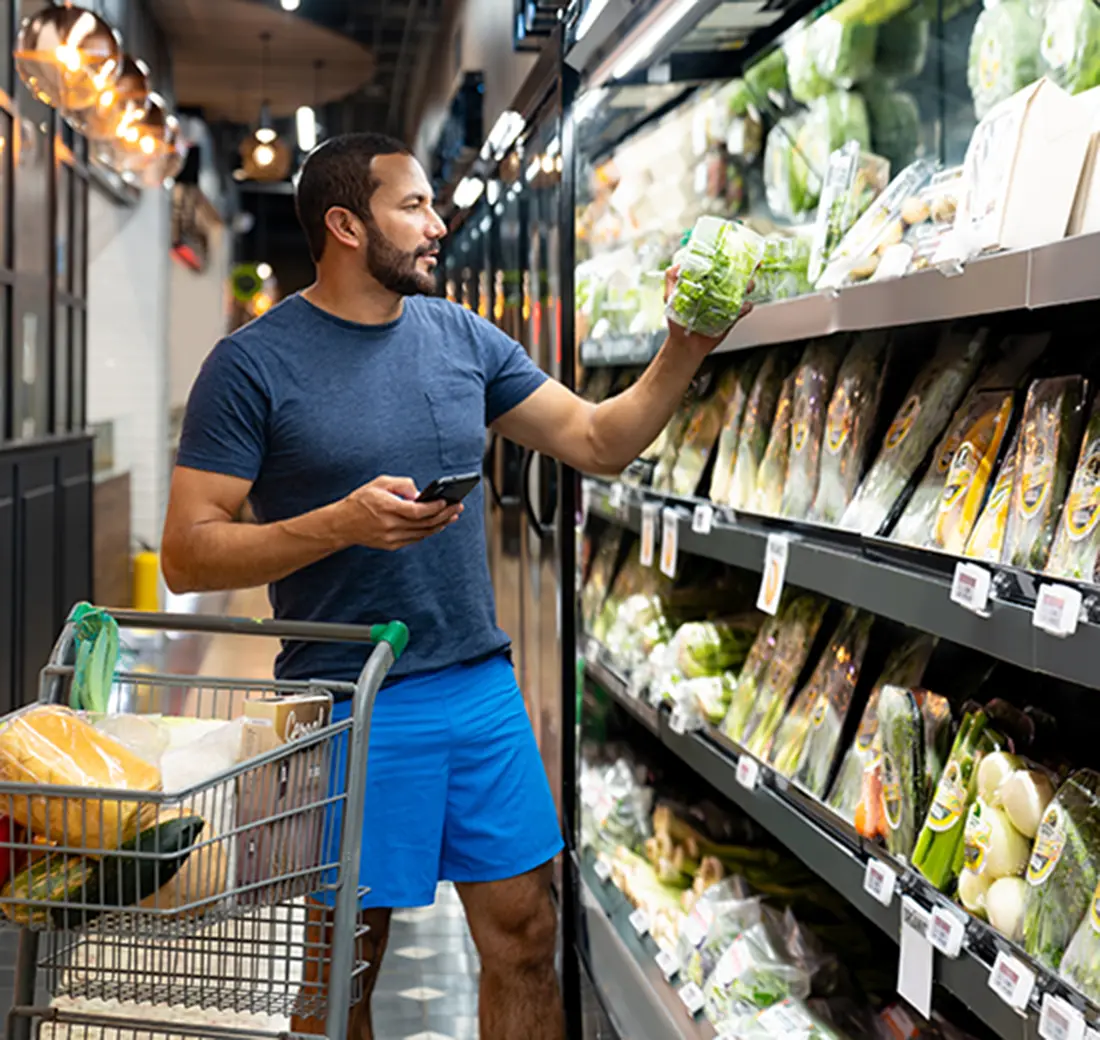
510, 374
225, 425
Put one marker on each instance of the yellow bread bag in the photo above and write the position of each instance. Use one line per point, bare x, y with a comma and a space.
50, 745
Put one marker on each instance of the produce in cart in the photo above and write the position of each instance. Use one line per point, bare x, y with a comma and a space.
1076, 551
730, 434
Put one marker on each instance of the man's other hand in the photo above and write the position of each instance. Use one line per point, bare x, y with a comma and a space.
696, 340
384, 515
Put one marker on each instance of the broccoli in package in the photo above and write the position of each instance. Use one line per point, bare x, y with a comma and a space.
1050, 432
1004, 53
726, 453
757, 421
715, 270
1070, 44
772, 474
1076, 552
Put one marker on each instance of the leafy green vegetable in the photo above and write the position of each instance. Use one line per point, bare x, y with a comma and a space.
1076, 552
785, 195
1070, 44
1081, 965
706, 648
903, 44
895, 125
752, 674
1004, 53
834, 119
783, 271
826, 54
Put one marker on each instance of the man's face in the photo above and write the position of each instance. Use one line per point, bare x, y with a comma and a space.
403, 230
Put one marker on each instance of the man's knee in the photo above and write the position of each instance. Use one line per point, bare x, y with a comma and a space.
522, 936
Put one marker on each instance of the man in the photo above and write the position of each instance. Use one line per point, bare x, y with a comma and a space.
326, 415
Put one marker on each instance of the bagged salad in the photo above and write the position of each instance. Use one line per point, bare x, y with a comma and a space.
849, 422
730, 433
755, 426
1076, 551
720, 914
716, 267
813, 388
784, 268
828, 53
772, 474
1050, 431
923, 415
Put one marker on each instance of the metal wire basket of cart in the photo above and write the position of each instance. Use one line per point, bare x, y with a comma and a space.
134, 894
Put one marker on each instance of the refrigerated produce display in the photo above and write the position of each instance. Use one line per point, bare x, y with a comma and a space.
815, 677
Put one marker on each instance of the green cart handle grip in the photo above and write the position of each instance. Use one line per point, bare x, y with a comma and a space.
396, 633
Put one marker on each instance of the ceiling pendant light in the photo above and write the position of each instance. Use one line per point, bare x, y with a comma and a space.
147, 147
264, 156
115, 104
67, 56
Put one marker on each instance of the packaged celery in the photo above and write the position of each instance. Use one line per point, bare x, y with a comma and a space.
755, 425
700, 436
728, 437
987, 540
1050, 432
772, 474
1076, 552
849, 422
750, 677
925, 412
1063, 871
813, 388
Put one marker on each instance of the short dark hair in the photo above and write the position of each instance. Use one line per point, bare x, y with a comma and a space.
338, 173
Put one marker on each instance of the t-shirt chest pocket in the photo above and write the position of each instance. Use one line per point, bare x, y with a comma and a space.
456, 401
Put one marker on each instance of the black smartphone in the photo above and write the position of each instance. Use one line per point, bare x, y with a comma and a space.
451, 490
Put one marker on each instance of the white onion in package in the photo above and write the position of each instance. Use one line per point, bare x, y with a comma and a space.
716, 267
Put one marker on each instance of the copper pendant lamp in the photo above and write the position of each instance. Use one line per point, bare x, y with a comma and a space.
115, 104
146, 141
67, 56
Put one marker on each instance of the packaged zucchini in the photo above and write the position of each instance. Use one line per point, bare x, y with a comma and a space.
987, 540
928, 406
752, 674
849, 422
700, 436
729, 435
772, 474
1050, 432
813, 388
755, 425
1076, 552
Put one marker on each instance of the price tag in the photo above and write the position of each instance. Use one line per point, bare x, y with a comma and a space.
880, 881
970, 587
670, 541
915, 958
748, 772
602, 870
694, 927
691, 996
1060, 1020
639, 921
666, 961
775, 571
1011, 981
615, 496
677, 723
946, 931
702, 520
649, 533
1057, 608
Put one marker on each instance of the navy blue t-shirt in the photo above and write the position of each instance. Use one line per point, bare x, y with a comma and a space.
310, 407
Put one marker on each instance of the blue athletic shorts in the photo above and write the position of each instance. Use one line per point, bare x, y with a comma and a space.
456, 789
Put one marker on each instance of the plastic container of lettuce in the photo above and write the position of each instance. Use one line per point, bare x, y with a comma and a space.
716, 267
1069, 48
1004, 54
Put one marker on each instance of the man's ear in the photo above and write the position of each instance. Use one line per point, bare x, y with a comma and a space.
345, 227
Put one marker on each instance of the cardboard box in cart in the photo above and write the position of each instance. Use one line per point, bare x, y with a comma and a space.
279, 815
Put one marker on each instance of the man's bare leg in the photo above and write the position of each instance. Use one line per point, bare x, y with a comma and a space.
515, 928
372, 947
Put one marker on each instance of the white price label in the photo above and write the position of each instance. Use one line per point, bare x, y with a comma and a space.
915, 958
775, 572
615, 496
639, 921
785, 1019
677, 723
666, 961
1057, 608
694, 928
1060, 1020
970, 587
880, 881
602, 869
691, 996
649, 533
1011, 981
702, 520
670, 541
946, 931
748, 772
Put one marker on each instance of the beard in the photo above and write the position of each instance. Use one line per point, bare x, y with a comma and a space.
397, 270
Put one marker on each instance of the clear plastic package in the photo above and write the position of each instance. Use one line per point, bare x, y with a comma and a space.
1069, 48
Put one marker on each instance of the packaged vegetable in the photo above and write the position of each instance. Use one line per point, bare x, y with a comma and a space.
1005, 900
705, 648
801, 622
1050, 431
674, 437
755, 426
902, 47
786, 197
599, 578
905, 668
813, 388
719, 916
923, 415
784, 268
1004, 54
726, 452
940, 848
895, 126
772, 474
986, 541
1069, 48
1076, 550
701, 435
1081, 963
804, 80
849, 422
716, 267
1064, 869
826, 54
751, 676
50, 745
832, 120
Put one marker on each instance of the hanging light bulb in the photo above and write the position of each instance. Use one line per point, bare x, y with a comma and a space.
147, 141
264, 154
67, 57
101, 121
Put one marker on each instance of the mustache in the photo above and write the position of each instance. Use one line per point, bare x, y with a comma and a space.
432, 250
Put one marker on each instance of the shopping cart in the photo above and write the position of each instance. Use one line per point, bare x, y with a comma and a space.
195, 898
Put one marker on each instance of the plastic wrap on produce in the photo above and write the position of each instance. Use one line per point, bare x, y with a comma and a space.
896, 129
987, 540
832, 120
730, 433
701, 434
670, 446
1004, 53
751, 676
784, 268
786, 197
1069, 47
901, 50
755, 426
1076, 550
772, 474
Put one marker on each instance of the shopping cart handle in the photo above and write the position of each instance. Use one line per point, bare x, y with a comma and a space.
395, 633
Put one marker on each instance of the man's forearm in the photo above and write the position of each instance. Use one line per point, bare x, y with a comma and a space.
624, 426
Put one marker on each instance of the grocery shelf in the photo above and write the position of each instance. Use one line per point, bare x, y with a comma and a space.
623, 966
608, 679
855, 571
799, 318
841, 859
